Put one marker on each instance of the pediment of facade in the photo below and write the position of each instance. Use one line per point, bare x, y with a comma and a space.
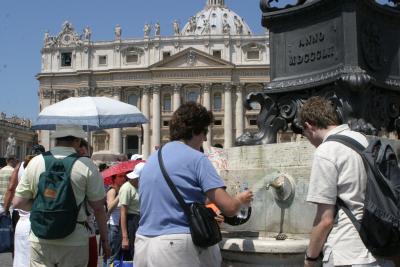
191, 58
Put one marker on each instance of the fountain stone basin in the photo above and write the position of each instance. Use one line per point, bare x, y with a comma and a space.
263, 251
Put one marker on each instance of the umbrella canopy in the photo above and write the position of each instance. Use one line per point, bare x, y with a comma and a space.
92, 113
123, 167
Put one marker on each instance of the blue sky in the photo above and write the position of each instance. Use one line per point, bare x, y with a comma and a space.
23, 23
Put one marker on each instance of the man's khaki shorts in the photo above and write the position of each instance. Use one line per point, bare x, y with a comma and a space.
45, 255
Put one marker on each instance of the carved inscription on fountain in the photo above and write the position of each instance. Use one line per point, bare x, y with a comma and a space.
312, 47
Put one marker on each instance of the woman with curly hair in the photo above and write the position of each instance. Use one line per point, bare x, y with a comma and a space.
163, 237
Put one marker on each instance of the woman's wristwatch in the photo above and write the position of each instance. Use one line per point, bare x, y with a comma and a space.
308, 258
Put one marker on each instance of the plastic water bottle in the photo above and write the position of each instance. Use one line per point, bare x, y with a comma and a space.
243, 212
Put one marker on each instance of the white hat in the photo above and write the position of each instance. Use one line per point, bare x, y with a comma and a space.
68, 130
137, 171
136, 156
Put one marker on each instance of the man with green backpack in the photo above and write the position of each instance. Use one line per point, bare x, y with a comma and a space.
55, 187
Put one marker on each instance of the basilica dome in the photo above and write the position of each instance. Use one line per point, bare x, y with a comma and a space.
216, 19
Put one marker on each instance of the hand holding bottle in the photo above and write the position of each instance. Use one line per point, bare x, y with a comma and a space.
245, 197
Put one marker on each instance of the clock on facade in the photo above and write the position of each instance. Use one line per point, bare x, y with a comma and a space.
67, 39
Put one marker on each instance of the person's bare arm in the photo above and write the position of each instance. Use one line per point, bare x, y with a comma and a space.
12, 185
229, 205
112, 200
22, 203
124, 227
323, 223
100, 215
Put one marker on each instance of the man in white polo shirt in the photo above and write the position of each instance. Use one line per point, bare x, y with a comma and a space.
337, 171
87, 184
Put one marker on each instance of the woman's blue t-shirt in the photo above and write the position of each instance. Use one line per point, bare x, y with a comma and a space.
193, 175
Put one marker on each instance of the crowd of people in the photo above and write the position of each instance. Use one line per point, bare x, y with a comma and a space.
138, 218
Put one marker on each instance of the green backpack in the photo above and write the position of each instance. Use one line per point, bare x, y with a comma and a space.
54, 210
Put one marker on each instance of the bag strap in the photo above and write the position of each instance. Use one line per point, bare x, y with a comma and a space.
359, 148
171, 185
347, 141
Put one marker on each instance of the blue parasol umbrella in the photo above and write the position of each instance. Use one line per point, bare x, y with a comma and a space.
92, 113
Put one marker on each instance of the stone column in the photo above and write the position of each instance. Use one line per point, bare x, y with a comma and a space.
44, 136
23, 151
116, 143
207, 105
177, 96
140, 143
124, 144
146, 126
228, 116
156, 122
239, 114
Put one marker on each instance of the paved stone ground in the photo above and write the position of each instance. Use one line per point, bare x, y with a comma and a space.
5, 260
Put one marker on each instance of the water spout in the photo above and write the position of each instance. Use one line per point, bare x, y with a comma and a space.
283, 189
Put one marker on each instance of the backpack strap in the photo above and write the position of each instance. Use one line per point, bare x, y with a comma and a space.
48, 159
68, 161
359, 148
347, 141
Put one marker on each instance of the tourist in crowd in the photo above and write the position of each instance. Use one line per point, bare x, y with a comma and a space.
136, 157
84, 150
337, 171
22, 248
102, 167
5, 176
163, 237
113, 213
86, 183
129, 204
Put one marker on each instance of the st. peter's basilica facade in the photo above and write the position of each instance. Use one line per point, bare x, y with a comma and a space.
214, 60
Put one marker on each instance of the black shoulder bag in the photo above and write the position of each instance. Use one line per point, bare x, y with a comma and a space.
204, 229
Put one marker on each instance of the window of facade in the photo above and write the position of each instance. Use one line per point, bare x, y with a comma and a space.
66, 59
217, 53
165, 123
102, 60
167, 105
133, 100
192, 96
253, 54
253, 122
218, 122
100, 142
166, 54
217, 102
132, 58
132, 144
